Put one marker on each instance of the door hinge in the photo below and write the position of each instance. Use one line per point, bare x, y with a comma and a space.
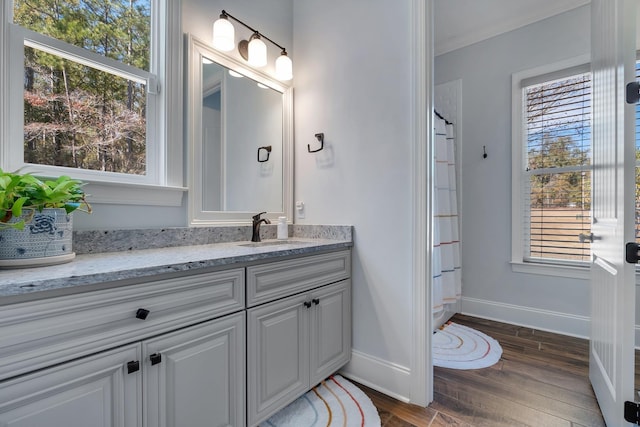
632, 412
631, 252
633, 92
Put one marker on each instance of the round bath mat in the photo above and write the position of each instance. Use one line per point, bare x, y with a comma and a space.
460, 347
335, 402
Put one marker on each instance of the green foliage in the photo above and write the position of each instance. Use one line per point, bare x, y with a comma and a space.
24, 194
560, 189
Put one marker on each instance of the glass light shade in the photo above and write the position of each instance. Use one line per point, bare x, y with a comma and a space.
284, 67
223, 35
257, 53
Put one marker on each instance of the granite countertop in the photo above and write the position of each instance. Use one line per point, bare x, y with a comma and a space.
98, 268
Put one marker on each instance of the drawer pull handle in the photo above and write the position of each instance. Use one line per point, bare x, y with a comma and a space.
316, 301
142, 313
155, 358
307, 304
133, 366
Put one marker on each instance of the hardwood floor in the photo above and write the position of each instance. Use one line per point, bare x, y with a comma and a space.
541, 380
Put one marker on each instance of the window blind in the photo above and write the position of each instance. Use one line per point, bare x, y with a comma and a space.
557, 169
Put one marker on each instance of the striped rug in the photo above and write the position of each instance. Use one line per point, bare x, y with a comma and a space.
334, 403
461, 347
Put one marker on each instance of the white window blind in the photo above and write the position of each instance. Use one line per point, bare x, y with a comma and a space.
557, 169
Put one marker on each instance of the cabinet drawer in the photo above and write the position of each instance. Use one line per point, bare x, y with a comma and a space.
268, 282
37, 334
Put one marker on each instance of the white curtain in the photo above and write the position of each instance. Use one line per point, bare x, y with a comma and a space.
447, 283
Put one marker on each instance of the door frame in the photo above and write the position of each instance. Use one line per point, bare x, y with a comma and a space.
422, 55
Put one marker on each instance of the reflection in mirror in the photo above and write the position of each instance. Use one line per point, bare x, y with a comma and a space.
234, 114
240, 115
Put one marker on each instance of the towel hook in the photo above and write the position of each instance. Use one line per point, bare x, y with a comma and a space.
266, 148
320, 138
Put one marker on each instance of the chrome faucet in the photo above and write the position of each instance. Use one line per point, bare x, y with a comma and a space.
255, 237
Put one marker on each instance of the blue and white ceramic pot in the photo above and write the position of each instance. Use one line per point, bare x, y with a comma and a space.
45, 240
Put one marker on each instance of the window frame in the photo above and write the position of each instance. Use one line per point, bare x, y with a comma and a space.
163, 185
519, 263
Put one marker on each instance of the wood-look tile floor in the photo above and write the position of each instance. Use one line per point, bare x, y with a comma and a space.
542, 380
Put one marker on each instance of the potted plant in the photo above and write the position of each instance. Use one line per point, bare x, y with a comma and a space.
35, 218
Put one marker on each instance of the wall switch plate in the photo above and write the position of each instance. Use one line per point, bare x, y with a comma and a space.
300, 209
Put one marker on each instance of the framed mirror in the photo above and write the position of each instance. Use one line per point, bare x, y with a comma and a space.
239, 133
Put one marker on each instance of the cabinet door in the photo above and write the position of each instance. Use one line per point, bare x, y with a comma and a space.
278, 355
330, 330
94, 391
195, 376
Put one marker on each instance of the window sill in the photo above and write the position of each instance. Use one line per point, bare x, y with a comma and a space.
551, 270
134, 194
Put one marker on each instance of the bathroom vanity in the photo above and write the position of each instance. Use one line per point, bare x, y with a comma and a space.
209, 335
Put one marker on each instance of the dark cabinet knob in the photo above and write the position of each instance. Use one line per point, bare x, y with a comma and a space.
142, 313
316, 301
307, 304
133, 366
155, 358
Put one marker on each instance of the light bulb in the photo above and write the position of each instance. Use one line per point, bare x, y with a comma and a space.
284, 67
223, 35
257, 52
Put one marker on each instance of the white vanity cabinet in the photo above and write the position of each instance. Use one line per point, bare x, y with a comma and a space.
93, 391
295, 342
163, 353
218, 348
195, 376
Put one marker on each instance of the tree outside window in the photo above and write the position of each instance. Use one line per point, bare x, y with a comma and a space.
79, 114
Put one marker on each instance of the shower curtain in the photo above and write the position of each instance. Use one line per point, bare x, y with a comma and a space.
447, 282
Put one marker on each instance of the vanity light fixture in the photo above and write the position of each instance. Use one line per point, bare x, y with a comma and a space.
224, 38
253, 51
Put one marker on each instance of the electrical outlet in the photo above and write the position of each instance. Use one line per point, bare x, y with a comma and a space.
300, 209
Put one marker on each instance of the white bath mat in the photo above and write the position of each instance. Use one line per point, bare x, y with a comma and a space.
460, 347
336, 402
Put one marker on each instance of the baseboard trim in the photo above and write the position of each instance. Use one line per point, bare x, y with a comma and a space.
545, 320
381, 375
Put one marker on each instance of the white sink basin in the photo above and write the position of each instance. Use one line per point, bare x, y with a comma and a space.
269, 243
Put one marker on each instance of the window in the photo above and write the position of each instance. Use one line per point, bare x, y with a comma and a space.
83, 91
557, 181
552, 166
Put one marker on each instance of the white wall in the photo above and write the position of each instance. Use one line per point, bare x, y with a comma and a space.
352, 82
490, 287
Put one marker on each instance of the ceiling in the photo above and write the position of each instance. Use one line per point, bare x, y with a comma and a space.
459, 23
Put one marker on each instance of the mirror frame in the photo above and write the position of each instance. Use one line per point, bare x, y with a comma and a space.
197, 216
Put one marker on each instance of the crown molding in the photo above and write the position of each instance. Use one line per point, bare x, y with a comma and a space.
525, 16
